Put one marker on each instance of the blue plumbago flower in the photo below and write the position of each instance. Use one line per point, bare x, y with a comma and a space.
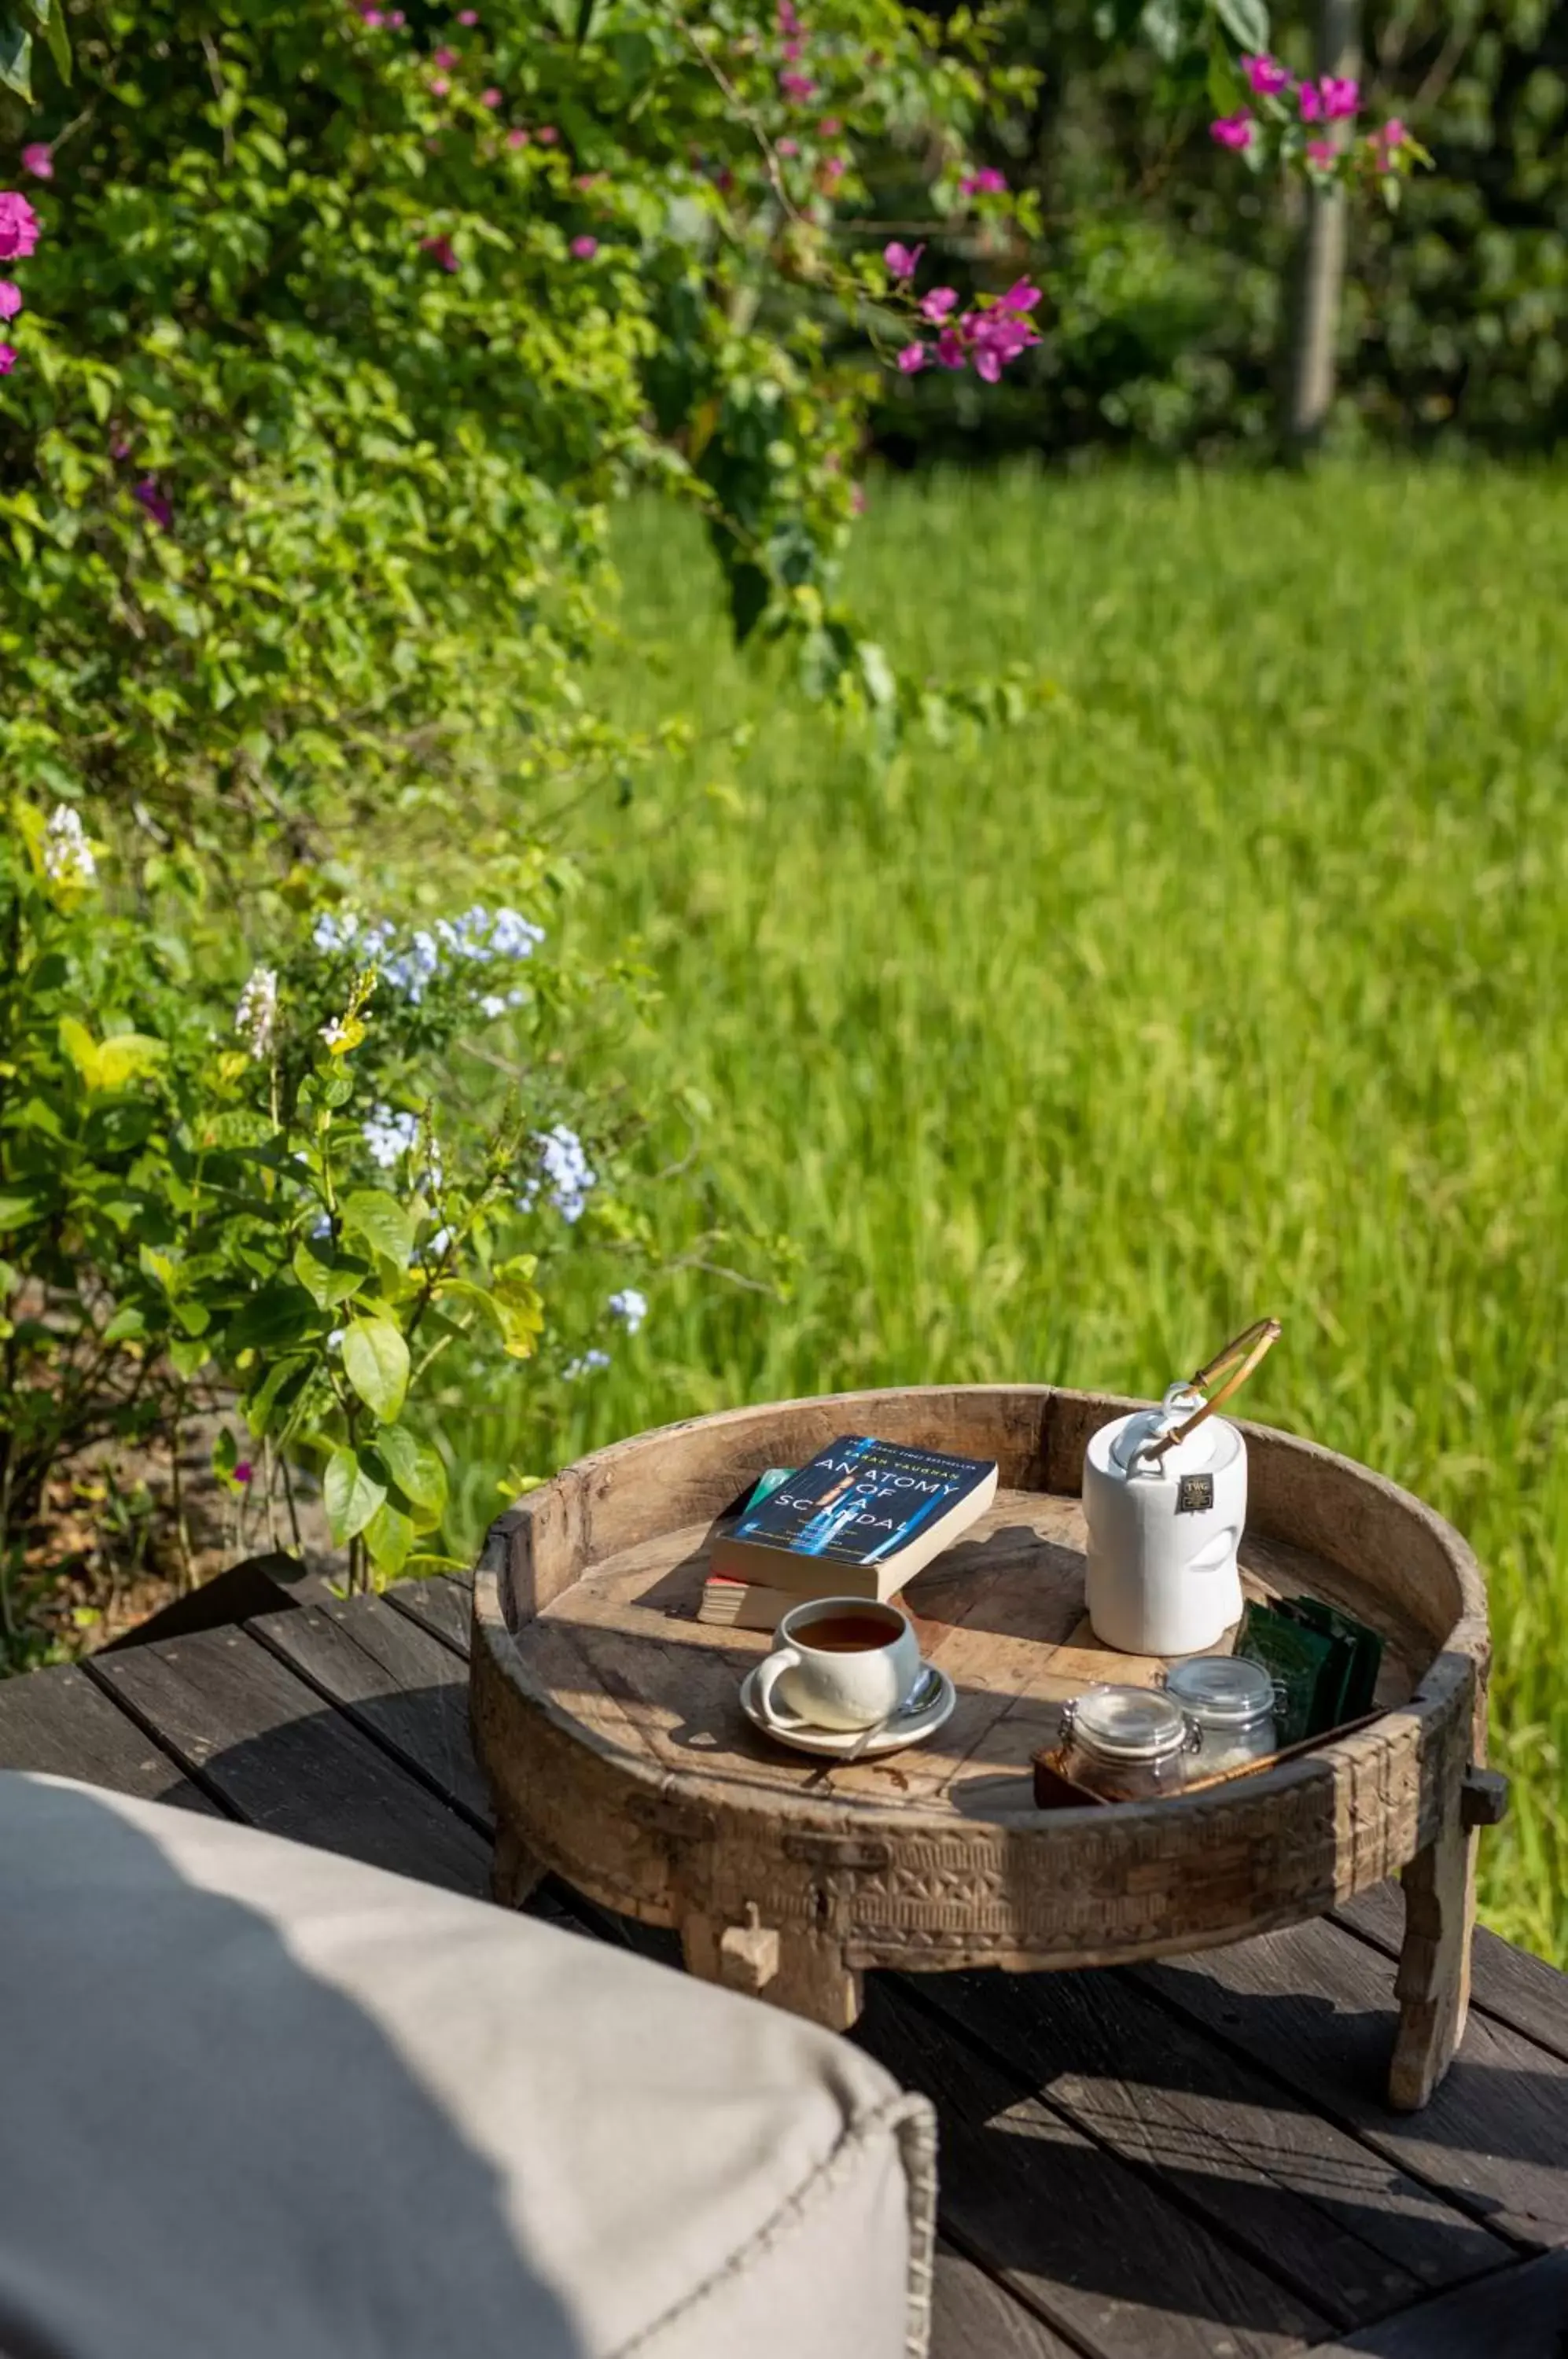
515, 937
332, 932
586, 1365
630, 1306
437, 1244
568, 1174
388, 1135
321, 1226
492, 1004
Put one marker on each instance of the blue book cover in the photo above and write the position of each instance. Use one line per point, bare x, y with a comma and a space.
878, 1508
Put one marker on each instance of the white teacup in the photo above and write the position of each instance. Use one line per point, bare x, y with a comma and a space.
839, 1662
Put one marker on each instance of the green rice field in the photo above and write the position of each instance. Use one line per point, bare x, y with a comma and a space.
1235, 979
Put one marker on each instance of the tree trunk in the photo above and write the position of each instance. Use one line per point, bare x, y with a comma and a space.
1320, 255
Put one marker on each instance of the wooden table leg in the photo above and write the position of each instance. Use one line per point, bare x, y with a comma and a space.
803, 1972
1432, 1985
514, 1872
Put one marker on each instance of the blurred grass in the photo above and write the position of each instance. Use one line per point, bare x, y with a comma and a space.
1236, 982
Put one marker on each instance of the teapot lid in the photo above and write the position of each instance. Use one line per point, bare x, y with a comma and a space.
1196, 1456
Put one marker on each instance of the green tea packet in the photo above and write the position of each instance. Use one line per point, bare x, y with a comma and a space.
1308, 1669
1365, 1645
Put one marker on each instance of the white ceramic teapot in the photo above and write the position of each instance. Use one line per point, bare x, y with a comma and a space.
1165, 1499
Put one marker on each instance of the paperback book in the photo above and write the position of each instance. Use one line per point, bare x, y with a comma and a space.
859, 1521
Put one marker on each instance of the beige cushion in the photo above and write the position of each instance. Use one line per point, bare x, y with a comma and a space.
260, 2103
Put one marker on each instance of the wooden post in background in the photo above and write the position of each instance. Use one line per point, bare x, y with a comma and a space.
1319, 275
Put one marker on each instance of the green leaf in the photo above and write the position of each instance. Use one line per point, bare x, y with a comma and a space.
352, 1494
284, 1377
380, 1220
127, 1323
375, 1362
1247, 21
416, 1469
189, 1355
48, 16
15, 58
328, 1277
388, 1536
279, 1314
16, 1212
225, 1454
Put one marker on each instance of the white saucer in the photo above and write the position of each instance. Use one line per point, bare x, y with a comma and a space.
891, 1737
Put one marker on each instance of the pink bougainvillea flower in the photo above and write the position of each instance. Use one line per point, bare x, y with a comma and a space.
10, 299
1386, 144
1019, 296
1319, 151
1233, 130
996, 337
38, 160
489, 98
396, 18
794, 48
445, 59
986, 183
18, 227
1265, 75
7, 359
912, 358
936, 306
1309, 98
950, 349
244, 1471
788, 146
798, 86
1341, 97
547, 135
439, 86
441, 250
372, 17
155, 502
857, 500
468, 16
517, 138
789, 20
583, 249
902, 261
830, 126
120, 447
833, 171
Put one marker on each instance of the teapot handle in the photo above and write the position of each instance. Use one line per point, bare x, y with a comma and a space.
1241, 1354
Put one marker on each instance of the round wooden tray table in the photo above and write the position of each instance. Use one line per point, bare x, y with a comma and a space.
608, 1722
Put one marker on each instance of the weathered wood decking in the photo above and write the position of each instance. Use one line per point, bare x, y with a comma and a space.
1188, 2160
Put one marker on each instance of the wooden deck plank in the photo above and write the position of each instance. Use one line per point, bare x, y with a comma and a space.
1092, 2245
442, 1603
278, 1757
1523, 2314
396, 1681
1512, 1986
57, 1721
1308, 2201
1314, 2007
975, 2318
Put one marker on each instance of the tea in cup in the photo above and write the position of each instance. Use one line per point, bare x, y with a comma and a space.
839, 1662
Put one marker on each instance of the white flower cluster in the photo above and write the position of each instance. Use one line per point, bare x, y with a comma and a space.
68, 856
567, 1174
630, 1307
255, 1017
390, 1134
480, 938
